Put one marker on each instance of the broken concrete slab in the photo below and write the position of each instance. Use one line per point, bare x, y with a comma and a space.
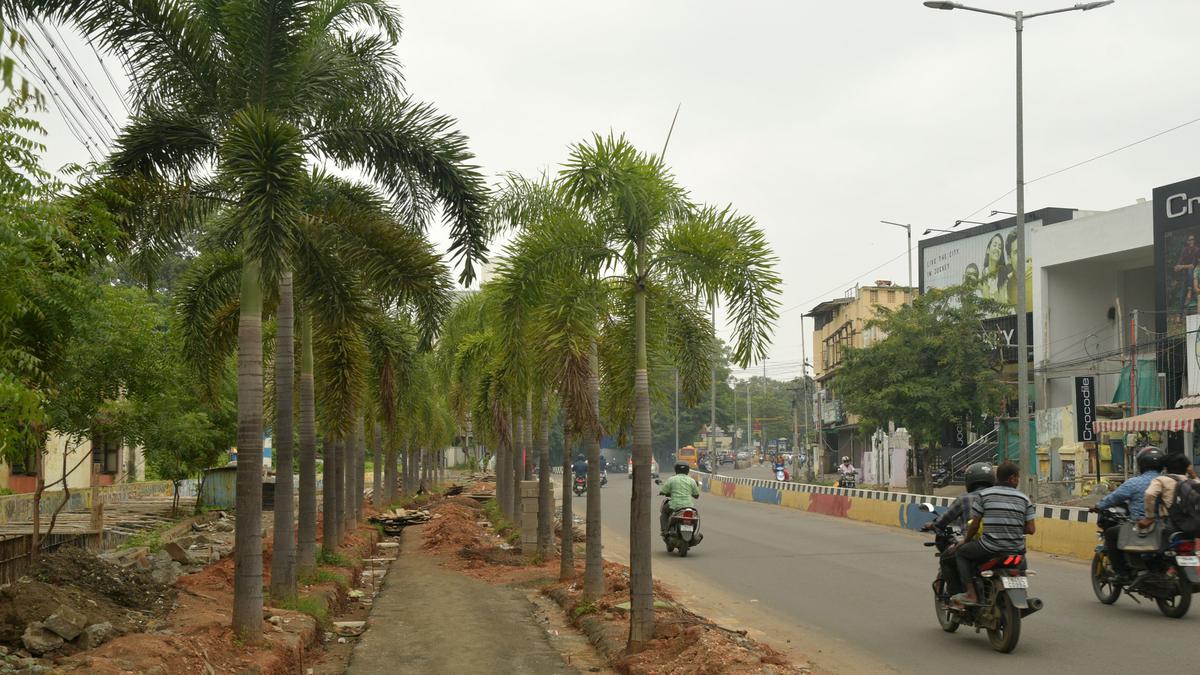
67, 622
349, 628
38, 640
178, 553
95, 635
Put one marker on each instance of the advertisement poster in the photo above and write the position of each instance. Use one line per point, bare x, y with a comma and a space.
1085, 409
989, 256
1193, 356
1177, 254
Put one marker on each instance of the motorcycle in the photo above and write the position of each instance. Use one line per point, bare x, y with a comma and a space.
603, 478
779, 474
847, 480
683, 529
1167, 577
580, 486
1002, 587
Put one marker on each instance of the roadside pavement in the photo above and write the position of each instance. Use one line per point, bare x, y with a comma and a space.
431, 620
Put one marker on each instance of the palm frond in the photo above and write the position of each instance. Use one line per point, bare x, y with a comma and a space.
207, 308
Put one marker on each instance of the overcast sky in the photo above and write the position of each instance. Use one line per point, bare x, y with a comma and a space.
817, 118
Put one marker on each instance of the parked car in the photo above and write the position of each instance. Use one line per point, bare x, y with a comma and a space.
743, 455
725, 458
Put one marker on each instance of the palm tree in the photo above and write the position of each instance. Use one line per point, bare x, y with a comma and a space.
654, 237
256, 91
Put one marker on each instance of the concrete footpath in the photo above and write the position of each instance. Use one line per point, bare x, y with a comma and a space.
431, 620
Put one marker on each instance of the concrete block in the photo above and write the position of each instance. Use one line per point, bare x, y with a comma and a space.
529, 506
66, 622
529, 488
38, 640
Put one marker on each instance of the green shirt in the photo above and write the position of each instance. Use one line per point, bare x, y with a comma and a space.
680, 489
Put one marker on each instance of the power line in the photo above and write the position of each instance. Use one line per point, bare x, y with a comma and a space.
1087, 161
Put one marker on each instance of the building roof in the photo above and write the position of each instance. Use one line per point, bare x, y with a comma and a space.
829, 305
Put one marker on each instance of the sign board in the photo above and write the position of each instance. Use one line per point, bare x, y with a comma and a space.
1177, 254
990, 256
1085, 409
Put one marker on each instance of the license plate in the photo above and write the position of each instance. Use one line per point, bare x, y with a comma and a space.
1187, 560
687, 528
1015, 582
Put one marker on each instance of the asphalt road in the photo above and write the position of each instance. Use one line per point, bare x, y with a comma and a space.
855, 597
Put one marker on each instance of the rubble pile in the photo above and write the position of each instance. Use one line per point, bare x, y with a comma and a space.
395, 520
454, 524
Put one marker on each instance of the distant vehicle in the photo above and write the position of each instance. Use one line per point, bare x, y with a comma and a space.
618, 467
653, 468
690, 455
743, 454
725, 458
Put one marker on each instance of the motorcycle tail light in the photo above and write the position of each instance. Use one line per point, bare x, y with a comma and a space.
1186, 547
688, 514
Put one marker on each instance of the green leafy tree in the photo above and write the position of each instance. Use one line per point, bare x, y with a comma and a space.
935, 367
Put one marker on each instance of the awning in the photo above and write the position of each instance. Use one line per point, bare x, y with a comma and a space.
1178, 419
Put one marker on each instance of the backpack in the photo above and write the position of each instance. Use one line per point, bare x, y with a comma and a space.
1184, 510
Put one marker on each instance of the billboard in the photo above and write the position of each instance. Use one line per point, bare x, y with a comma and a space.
990, 255
1177, 254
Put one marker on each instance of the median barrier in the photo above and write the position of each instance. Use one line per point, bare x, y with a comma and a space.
1062, 530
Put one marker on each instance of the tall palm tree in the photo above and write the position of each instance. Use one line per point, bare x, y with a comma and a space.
257, 90
655, 237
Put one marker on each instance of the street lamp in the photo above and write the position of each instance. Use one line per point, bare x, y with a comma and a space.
973, 222
908, 228
936, 229
1018, 19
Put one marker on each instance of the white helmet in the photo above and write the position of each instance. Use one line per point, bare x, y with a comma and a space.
846, 459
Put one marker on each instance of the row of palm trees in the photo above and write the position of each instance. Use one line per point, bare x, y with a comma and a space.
248, 115
612, 268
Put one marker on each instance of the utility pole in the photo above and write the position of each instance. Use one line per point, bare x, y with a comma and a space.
795, 432
749, 420
807, 420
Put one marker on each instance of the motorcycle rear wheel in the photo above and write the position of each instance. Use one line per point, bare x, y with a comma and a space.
1007, 632
683, 549
947, 619
1177, 605
1103, 585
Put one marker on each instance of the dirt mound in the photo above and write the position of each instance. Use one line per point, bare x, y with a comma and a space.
26, 600
130, 587
701, 649
461, 500
453, 527
492, 555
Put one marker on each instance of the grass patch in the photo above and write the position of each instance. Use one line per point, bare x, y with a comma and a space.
151, 539
309, 605
582, 609
323, 576
334, 558
500, 523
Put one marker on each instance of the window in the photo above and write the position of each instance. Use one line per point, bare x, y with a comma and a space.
26, 465
106, 453
891, 297
874, 297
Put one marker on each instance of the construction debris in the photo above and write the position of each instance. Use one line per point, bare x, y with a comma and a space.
395, 520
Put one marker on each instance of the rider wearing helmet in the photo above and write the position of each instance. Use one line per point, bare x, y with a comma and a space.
680, 489
1132, 495
579, 468
978, 476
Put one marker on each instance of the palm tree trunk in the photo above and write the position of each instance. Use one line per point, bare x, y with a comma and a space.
527, 461
518, 472
248, 544
329, 521
641, 581
350, 516
360, 472
283, 556
545, 535
339, 493
306, 536
389, 477
504, 473
593, 573
566, 560
377, 491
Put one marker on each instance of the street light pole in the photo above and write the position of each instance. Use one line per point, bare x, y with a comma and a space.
908, 229
1018, 19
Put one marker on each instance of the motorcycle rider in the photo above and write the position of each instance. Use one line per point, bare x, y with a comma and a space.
579, 468
1005, 515
1131, 494
846, 469
681, 489
979, 476
1161, 491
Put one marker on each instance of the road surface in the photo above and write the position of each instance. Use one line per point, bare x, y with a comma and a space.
855, 597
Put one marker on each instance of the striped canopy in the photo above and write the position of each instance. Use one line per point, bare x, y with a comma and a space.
1178, 419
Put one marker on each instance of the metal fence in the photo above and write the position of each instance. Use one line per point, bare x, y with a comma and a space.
14, 550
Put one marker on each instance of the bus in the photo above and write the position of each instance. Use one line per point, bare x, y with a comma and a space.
690, 455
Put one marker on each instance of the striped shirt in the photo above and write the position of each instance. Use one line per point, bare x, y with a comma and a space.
1005, 511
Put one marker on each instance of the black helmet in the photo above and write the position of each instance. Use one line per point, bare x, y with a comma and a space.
580, 458
979, 475
1150, 458
682, 467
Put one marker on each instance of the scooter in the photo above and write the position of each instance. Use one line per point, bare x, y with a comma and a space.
1002, 588
580, 486
780, 474
603, 478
